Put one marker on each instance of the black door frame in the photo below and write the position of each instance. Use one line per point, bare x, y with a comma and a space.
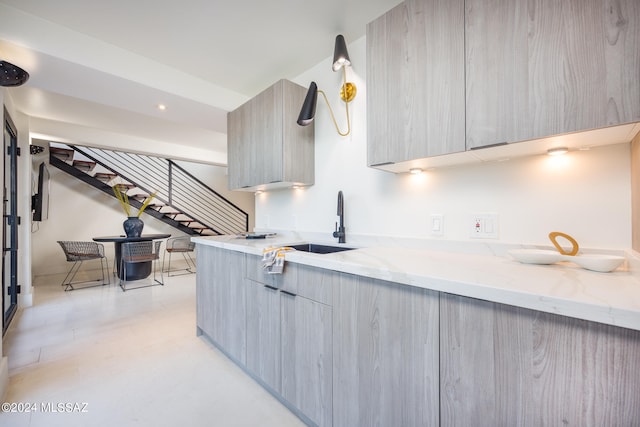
10, 222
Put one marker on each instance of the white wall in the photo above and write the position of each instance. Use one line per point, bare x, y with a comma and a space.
585, 193
78, 211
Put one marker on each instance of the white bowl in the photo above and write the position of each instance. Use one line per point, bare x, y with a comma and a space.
536, 256
601, 263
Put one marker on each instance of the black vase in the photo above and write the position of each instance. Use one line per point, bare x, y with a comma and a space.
133, 226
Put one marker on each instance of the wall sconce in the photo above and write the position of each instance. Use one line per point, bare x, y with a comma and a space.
347, 91
12, 75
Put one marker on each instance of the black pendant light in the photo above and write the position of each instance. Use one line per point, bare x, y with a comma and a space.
12, 75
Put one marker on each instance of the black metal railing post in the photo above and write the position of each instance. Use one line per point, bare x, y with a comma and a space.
170, 179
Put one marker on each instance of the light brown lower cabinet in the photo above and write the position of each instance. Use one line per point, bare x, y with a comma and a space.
385, 364
346, 351
204, 290
263, 334
221, 299
307, 355
509, 366
289, 337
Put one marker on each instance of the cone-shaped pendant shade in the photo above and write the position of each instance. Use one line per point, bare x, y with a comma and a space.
340, 54
12, 75
308, 111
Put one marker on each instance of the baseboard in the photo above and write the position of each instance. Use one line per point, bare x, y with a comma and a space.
25, 299
4, 378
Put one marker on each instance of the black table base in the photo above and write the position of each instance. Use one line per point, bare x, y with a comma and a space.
137, 270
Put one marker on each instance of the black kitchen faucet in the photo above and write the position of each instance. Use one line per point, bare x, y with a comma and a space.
340, 231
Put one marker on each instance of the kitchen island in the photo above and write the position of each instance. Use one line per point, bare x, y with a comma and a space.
387, 335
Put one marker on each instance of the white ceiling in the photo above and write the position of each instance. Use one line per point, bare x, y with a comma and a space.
99, 68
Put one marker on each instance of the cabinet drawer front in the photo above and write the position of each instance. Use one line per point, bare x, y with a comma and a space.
309, 282
316, 283
286, 281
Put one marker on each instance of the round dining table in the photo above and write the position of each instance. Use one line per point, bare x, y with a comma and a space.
135, 271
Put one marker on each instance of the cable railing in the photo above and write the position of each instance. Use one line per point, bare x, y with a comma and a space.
174, 187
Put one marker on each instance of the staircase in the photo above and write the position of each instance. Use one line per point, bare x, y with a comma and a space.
182, 201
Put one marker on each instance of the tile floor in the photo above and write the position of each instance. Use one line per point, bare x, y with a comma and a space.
133, 358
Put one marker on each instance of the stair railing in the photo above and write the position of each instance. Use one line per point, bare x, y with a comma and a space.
175, 187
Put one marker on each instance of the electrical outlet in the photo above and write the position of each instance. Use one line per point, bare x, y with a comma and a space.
484, 226
436, 225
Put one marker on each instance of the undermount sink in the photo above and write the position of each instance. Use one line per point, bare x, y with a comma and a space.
319, 249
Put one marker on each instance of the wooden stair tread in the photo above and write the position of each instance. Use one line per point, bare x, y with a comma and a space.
61, 153
85, 165
124, 186
141, 197
104, 175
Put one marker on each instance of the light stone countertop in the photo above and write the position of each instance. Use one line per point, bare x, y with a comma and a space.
564, 288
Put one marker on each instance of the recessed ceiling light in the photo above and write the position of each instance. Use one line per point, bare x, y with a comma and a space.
162, 107
415, 171
557, 151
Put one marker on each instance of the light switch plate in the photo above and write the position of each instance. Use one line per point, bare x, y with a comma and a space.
436, 225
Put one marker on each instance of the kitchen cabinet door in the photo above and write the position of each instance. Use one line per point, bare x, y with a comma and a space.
307, 355
263, 334
386, 351
205, 295
242, 164
415, 81
226, 300
266, 147
536, 68
504, 365
231, 305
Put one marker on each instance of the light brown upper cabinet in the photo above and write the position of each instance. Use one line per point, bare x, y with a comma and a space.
415, 81
266, 147
536, 68
448, 76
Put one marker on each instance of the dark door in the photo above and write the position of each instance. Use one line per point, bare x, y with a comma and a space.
9, 223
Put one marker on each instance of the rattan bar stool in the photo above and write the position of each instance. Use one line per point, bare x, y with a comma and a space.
136, 253
77, 252
184, 246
